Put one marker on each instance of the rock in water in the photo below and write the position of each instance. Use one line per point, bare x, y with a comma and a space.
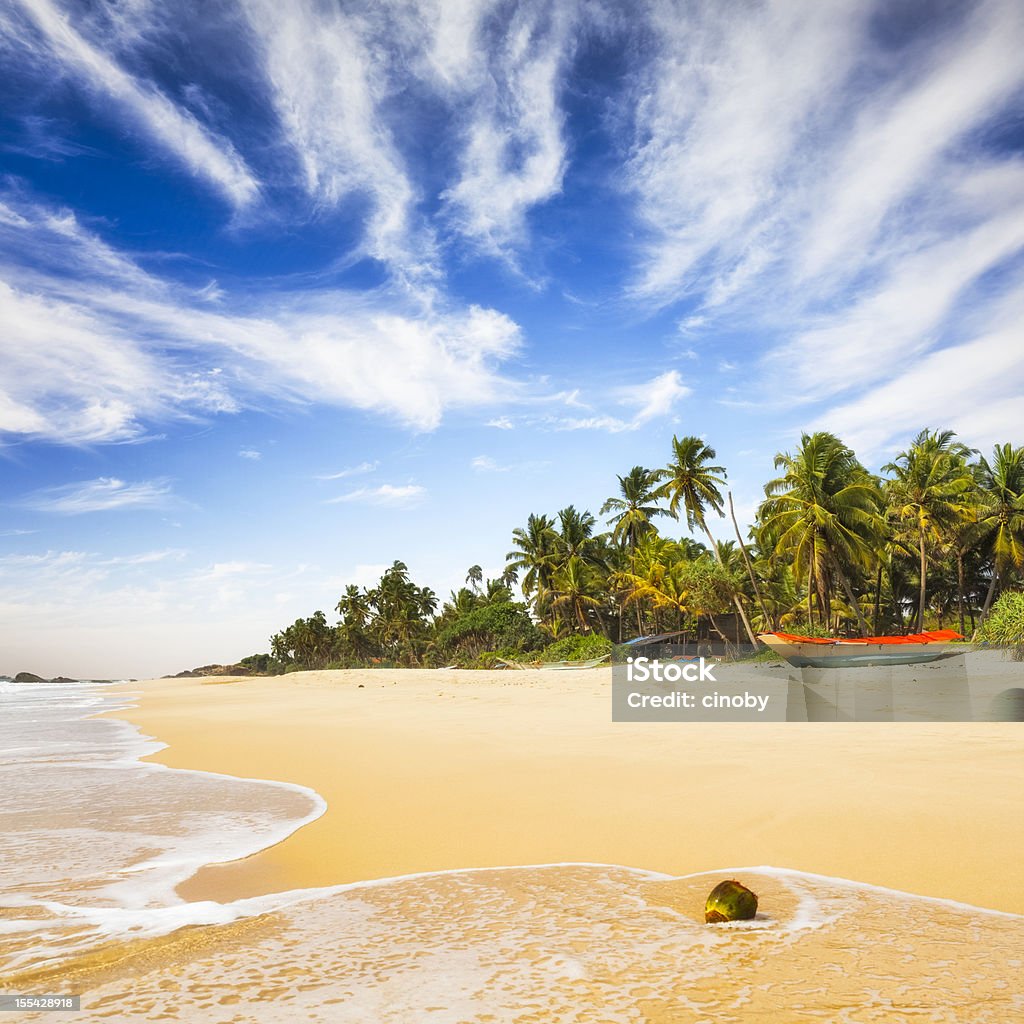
28, 677
730, 901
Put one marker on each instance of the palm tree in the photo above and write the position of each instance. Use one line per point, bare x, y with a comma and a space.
354, 609
636, 507
929, 494
575, 534
693, 484
576, 590
632, 515
1001, 514
474, 577
823, 515
535, 556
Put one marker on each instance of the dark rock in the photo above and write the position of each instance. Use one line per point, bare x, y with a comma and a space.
28, 677
63, 679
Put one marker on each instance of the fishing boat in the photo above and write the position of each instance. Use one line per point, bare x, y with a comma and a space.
911, 649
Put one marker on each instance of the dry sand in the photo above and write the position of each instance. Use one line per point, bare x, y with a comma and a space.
425, 770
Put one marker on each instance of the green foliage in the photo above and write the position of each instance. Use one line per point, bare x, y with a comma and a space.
263, 664
505, 625
1005, 624
811, 629
577, 648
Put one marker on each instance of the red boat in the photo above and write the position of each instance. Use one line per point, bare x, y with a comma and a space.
910, 649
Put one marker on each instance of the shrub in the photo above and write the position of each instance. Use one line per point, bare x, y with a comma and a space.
577, 648
505, 626
1005, 624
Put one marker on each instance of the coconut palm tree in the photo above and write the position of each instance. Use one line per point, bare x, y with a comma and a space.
632, 512
929, 495
823, 514
575, 534
576, 590
631, 516
693, 484
535, 555
1001, 513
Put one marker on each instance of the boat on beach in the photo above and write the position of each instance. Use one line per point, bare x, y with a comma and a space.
818, 652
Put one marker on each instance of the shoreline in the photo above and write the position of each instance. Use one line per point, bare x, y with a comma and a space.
434, 770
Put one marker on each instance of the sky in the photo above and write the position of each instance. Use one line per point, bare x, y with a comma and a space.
289, 291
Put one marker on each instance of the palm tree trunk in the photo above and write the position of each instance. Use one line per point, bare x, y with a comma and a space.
851, 599
989, 595
750, 568
924, 581
735, 597
878, 600
960, 586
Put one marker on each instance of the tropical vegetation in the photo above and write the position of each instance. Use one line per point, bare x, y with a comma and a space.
933, 540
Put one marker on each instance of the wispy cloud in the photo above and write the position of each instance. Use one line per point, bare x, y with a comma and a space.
386, 494
326, 66
363, 467
514, 154
654, 400
830, 181
250, 453
97, 354
102, 495
52, 39
485, 464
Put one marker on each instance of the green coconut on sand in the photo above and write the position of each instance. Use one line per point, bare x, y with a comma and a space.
730, 901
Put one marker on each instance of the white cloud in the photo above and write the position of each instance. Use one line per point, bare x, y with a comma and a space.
327, 69
841, 199
900, 318
501, 423
94, 349
653, 400
386, 494
101, 495
722, 104
485, 464
514, 153
203, 154
975, 387
914, 125
250, 453
363, 467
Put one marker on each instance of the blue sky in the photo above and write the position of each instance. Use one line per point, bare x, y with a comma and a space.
290, 290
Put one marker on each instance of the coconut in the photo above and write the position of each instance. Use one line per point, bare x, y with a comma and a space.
730, 901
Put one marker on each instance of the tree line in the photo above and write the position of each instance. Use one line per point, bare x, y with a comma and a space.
834, 549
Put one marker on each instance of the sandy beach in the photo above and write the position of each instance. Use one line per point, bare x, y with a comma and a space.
431, 770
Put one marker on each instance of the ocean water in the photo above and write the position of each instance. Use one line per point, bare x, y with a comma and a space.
93, 842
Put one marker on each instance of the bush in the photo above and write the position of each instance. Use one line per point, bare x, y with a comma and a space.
505, 626
1005, 624
577, 648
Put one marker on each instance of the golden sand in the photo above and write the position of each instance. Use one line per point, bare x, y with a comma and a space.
426, 770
